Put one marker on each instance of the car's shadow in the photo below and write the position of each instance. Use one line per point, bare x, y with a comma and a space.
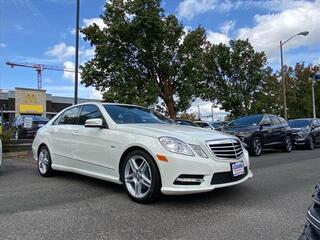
229, 194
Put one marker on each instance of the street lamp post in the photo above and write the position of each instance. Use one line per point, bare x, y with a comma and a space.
283, 76
76, 65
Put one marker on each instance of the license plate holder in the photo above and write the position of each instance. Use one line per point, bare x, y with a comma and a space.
237, 168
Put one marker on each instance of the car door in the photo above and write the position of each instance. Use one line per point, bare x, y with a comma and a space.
96, 146
62, 136
266, 130
316, 130
278, 131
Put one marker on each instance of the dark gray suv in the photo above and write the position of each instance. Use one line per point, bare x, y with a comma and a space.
306, 132
260, 131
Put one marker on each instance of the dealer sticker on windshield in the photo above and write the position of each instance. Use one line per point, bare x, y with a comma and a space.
237, 168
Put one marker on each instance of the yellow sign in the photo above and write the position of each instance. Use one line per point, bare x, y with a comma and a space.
31, 98
24, 108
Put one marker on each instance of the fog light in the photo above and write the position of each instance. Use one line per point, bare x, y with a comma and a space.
185, 179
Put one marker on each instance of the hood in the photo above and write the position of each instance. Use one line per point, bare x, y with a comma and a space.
232, 129
187, 134
296, 130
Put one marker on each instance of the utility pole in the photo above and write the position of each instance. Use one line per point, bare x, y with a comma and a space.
283, 78
313, 81
76, 65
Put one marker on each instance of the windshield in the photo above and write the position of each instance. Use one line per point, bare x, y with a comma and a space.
246, 121
123, 114
299, 123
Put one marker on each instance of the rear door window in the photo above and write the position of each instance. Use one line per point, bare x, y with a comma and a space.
275, 121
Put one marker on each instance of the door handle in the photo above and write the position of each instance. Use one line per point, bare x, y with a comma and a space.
75, 133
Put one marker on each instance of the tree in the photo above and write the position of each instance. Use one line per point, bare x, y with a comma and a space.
142, 55
268, 96
298, 85
237, 73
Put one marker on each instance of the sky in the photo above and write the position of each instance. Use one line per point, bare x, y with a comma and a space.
42, 31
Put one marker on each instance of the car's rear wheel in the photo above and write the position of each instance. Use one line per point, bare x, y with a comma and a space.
287, 144
310, 144
256, 146
141, 177
44, 162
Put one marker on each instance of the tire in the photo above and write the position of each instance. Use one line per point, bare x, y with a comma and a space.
44, 162
310, 143
256, 146
141, 177
287, 145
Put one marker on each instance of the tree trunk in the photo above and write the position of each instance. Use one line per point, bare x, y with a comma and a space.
167, 96
171, 108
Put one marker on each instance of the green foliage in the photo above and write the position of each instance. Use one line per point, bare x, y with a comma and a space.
299, 94
6, 135
237, 73
143, 55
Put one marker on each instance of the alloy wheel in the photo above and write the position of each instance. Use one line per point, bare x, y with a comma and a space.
257, 146
137, 176
43, 161
288, 144
311, 143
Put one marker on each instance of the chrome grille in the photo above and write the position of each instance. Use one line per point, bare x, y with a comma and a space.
226, 148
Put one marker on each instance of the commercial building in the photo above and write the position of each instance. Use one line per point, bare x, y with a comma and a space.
27, 101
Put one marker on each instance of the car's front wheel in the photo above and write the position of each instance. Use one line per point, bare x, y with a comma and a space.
141, 177
310, 144
287, 144
44, 162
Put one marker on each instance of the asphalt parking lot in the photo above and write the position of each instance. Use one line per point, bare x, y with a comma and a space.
271, 205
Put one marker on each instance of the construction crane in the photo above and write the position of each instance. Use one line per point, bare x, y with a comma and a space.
39, 68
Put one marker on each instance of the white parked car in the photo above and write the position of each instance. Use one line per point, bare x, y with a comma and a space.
141, 148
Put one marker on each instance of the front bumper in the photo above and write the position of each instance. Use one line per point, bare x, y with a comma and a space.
216, 173
312, 228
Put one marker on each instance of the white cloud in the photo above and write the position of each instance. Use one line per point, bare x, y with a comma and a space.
227, 26
89, 21
3, 45
269, 29
95, 94
216, 37
18, 26
190, 8
61, 51
70, 75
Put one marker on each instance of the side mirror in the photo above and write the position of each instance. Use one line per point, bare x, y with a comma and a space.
94, 123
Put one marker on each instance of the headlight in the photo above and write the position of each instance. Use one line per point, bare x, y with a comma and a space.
176, 146
303, 133
198, 150
245, 133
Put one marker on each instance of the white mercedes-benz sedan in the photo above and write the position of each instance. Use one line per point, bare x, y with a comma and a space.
143, 150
